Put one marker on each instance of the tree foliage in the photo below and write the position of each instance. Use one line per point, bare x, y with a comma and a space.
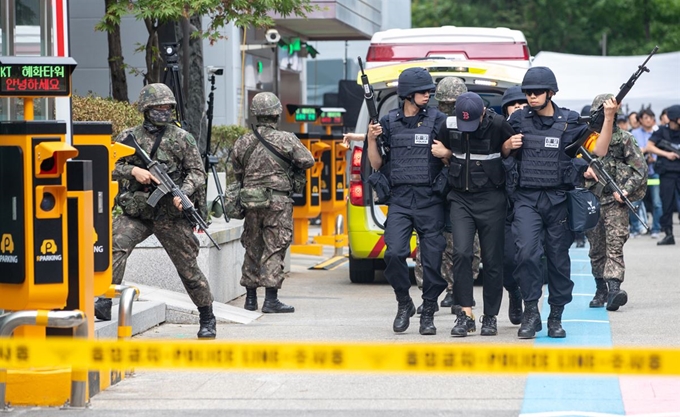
632, 27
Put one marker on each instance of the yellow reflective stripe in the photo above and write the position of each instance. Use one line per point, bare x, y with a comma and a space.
386, 357
653, 181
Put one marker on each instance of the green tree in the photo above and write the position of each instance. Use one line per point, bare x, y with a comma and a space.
632, 27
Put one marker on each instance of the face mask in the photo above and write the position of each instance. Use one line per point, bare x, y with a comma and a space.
159, 117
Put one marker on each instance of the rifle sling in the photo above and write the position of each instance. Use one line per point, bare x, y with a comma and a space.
285, 163
157, 143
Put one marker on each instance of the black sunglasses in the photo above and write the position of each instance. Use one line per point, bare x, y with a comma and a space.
534, 92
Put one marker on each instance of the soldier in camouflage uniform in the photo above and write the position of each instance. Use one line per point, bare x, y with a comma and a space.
625, 163
267, 184
166, 143
448, 89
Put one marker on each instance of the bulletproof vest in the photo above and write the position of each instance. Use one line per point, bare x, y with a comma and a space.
411, 160
542, 157
674, 139
473, 166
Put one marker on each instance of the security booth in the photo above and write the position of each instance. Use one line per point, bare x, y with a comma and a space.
333, 180
307, 205
45, 221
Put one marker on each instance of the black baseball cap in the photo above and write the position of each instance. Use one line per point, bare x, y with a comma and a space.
469, 110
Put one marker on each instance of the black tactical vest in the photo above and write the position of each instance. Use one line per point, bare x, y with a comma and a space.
411, 160
664, 164
542, 157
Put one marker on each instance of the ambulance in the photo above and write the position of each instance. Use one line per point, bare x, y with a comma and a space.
498, 45
365, 218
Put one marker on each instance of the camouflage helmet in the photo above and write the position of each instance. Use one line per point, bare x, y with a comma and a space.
156, 94
449, 88
601, 98
265, 104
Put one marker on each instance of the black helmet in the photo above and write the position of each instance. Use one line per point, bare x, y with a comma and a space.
512, 95
539, 78
585, 111
412, 80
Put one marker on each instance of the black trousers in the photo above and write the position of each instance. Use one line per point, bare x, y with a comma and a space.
509, 265
484, 212
428, 223
538, 218
668, 187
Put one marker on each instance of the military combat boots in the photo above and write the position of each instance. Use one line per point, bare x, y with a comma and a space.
405, 310
531, 321
102, 309
427, 318
419, 310
555, 322
616, 296
448, 300
668, 239
207, 322
600, 298
515, 306
251, 299
272, 303
489, 326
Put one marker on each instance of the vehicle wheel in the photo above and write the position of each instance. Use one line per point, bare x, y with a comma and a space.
361, 271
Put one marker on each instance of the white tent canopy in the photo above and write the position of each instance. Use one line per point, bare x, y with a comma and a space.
581, 77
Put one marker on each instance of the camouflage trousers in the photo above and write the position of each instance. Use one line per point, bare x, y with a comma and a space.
607, 240
267, 234
447, 262
179, 242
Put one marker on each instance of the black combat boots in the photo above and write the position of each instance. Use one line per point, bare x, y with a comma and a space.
531, 321
515, 306
251, 299
427, 318
405, 310
419, 310
272, 303
102, 309
668, 239
448, 300
616, 296
600, 298
207, 322
555, 322
489, 326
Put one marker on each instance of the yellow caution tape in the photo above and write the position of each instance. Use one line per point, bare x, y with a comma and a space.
171, 354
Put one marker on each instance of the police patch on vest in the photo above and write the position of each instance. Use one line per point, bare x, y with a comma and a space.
451, 122
552, 142
422, 139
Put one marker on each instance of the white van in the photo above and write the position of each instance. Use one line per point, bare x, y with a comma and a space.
497, 45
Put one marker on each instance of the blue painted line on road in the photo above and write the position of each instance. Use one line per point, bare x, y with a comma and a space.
585, 326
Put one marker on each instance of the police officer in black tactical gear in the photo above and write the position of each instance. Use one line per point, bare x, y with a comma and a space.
409, 171
542, 175
668, 167
513, 100
474, 139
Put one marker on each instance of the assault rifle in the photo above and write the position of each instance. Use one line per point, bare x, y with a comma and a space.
369, 97
665, 145
602, 174
167, 185
596, 121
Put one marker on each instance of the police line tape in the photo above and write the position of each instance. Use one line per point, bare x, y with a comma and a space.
175, 354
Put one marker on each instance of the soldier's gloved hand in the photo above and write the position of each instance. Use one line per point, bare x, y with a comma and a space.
143, 176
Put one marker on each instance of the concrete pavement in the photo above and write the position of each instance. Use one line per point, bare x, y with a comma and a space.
330, 308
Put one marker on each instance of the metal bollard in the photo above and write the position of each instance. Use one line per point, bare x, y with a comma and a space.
339, 229
128, 295
61, 319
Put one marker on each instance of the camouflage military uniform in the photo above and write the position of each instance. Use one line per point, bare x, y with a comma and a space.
179, 153
267, 232
447, 262
625, 163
